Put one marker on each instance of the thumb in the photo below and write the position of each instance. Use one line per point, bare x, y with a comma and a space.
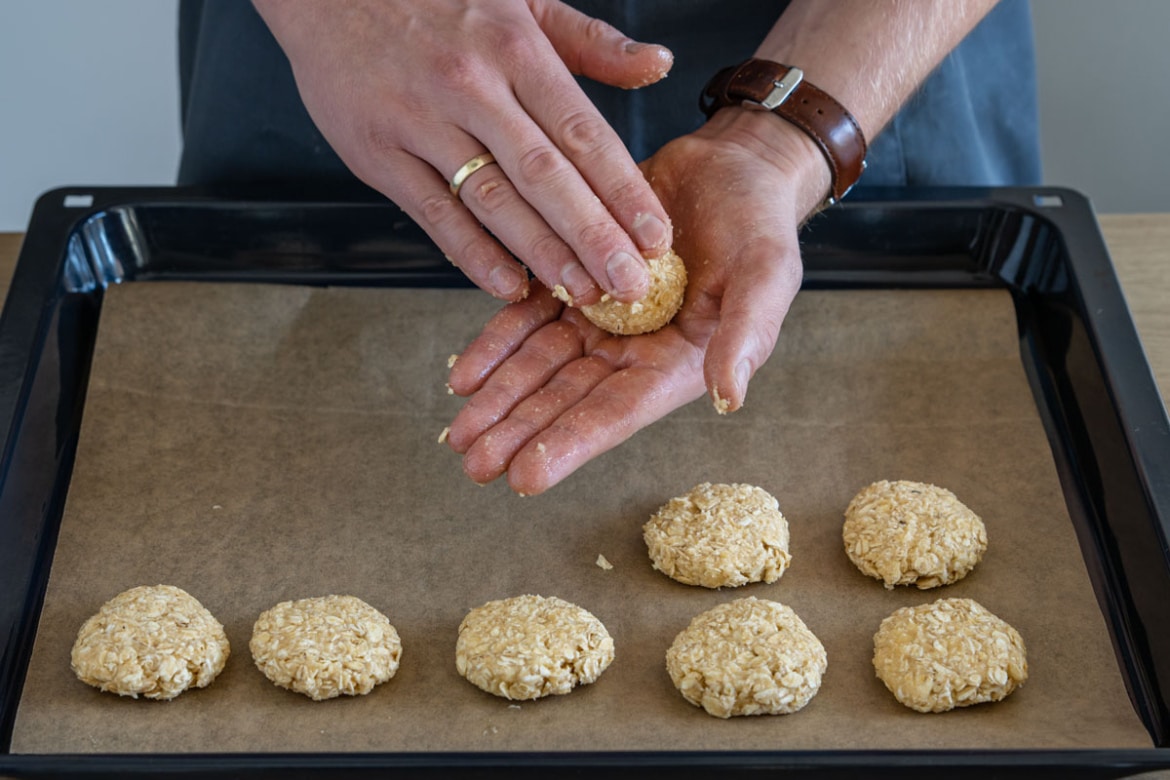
754, 305
590, 47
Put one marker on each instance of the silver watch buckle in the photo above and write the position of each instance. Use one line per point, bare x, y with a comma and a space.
783, 89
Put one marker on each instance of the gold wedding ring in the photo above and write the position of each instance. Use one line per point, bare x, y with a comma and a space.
468, 168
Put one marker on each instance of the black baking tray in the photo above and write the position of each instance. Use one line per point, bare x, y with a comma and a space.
1106, 423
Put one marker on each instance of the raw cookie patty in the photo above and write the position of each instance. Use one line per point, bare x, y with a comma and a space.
911, 533
747, 657
526, 647
719, 536
324, 647
951, 653
668, 283
155, 641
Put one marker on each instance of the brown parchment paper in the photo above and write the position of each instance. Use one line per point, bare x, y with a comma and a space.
253, 444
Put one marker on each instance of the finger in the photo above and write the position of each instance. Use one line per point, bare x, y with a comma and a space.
421, 192
614, 410
562, 156
551, 181
500, 338
540, 357
597, 155
494, 201
592, 48
491, 198
488, 457
754, 306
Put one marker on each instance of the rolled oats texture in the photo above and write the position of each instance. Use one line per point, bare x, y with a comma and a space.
326, 646
747, 657
719, 535
668, 285
947, 654
526, 647
154, 641
912, 533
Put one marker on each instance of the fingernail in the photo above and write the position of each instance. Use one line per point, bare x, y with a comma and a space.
577, 280
651, 232
505, 281
743, 374
633, 47
626, 273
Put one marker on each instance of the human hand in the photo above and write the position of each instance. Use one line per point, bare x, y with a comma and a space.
408, 91
549, 390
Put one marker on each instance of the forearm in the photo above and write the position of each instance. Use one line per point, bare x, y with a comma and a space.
871, 55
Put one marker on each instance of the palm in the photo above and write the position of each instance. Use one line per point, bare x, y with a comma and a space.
551, 390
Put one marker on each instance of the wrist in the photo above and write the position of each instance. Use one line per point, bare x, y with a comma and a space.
783, 91
778, 144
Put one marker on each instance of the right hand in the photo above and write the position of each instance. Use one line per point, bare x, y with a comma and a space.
408, 91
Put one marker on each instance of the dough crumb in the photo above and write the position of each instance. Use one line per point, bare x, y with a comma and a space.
445, 433
603, 563
452, 360
559, 292
722, 405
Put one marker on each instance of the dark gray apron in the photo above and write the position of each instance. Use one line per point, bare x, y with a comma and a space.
974, 122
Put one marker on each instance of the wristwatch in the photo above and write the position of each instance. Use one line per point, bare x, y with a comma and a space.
781, 89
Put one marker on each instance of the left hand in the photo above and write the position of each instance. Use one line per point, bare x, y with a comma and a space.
549, 390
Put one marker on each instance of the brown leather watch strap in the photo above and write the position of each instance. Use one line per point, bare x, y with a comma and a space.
782, 90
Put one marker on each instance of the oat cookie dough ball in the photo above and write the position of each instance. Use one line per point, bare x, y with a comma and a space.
668, 283
324, 647
154, 641
747, 657
951, 653
719, 536
911, 533
526, 647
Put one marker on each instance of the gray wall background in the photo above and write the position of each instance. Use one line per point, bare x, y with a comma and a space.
89, 96
1103, 67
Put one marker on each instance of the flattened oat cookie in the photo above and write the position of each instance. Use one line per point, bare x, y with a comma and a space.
327, 646
719, 536
747, 657
951, 653
526, 647
912, 533
153, 641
